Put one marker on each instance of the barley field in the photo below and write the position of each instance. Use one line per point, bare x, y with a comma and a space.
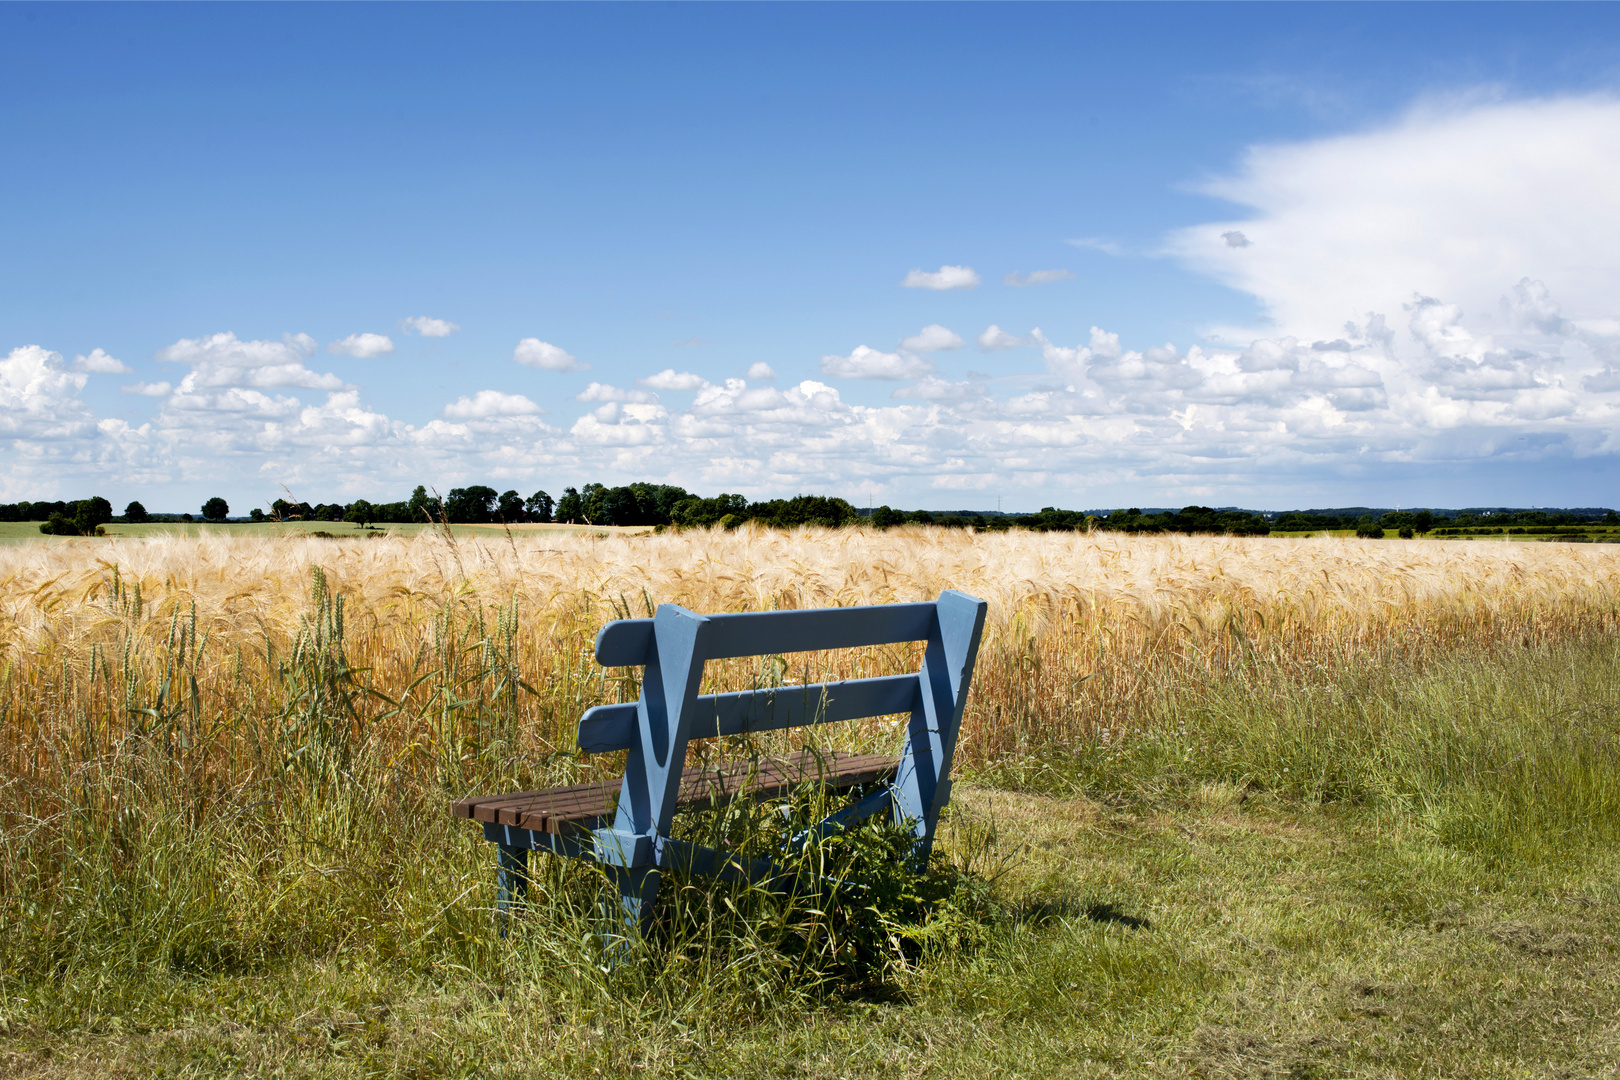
1083, 629
224, 765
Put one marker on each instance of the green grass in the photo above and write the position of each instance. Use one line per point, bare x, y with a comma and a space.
1385, 872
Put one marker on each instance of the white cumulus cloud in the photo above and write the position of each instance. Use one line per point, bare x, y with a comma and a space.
670, 379
39, 397
546, 356
946, 277
148, 389
1452, 201
932, 338
225, 350
868, 363
603, 392
486, 404
98, 361
223, 360
362, 346
429, 327
994, 338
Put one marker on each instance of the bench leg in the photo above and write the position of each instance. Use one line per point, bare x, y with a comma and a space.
624, 921
511, 882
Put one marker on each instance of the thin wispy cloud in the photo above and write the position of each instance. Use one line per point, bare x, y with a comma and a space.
943, 279
1035, 277
1096, 243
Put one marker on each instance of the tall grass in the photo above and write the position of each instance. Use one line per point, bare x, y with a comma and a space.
217, 754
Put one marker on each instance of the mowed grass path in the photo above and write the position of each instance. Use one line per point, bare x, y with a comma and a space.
1213, 857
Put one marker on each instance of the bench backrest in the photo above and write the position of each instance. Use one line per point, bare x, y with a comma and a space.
675, 643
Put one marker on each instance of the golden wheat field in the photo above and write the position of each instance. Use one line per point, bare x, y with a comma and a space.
436, 644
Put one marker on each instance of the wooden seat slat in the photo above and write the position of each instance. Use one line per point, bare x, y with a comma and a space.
583, 805
468, 807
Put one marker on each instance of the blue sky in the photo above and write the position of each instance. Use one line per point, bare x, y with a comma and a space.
1281, 255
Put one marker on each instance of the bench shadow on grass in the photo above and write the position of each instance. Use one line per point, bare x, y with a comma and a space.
1040, 911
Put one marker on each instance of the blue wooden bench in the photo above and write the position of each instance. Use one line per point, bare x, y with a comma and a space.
625, 825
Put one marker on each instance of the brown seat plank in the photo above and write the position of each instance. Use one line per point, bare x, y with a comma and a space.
582, 806
468, 807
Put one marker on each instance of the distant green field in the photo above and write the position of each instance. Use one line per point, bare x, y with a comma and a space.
18, 531
1603, 534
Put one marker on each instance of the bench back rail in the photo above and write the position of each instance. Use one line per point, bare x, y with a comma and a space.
674, 646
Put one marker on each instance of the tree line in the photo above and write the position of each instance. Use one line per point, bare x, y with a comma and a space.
594, 504
644, 504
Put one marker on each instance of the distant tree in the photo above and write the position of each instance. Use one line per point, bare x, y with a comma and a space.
1369, 529
591, 500
187, 517
282, 509
570, 508
136, 513
1422, 521
885, 518
538, 507
823, 510
619, 507
510, 507
215, 509
91, 514
87, 518
703, 513
423, 508
1611, 518
1406, 532
256, 514
361, 512
920, 517
474, 505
